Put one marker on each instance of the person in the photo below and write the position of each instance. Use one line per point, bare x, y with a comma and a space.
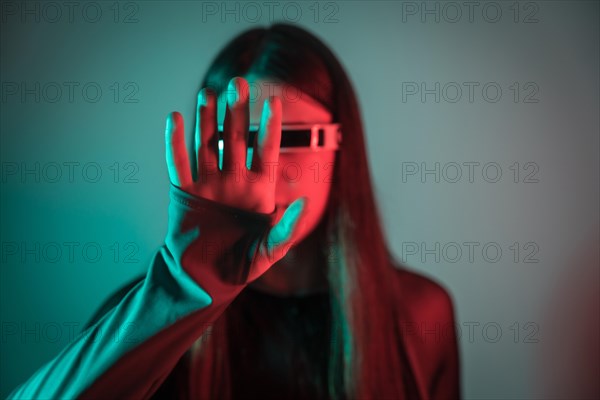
274, 281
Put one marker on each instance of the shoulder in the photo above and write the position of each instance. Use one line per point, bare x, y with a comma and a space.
422, 297
426, 324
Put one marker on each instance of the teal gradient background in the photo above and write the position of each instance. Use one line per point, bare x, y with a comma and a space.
162, 54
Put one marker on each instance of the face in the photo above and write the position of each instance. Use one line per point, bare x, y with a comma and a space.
307, 173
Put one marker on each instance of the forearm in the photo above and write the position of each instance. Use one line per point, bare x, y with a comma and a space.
191, 281
135, 345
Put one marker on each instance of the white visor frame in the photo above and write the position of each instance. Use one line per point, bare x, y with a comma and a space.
297, 138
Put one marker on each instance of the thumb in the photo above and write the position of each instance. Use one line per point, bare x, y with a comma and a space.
283, 235
279, 239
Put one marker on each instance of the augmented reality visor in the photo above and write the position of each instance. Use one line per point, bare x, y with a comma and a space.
300, 137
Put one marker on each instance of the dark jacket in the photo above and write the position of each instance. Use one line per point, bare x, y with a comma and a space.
139, 340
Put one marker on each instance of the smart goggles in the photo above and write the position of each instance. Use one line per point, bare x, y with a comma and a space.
299, 137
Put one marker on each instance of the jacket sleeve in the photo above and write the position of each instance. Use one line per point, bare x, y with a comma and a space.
192, 278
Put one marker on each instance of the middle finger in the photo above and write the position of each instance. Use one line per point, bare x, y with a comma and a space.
235, 126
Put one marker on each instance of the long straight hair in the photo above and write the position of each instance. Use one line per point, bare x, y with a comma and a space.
365, 354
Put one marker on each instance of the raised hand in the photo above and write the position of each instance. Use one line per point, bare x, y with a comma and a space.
250, 190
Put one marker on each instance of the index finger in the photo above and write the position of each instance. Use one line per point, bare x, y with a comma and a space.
268, 139
178, 162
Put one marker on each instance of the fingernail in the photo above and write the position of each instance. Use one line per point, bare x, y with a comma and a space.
207, 97
236, 92
231, 93
202, 100
267, 108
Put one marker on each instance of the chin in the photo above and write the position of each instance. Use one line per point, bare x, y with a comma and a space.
306, 231
299, 236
